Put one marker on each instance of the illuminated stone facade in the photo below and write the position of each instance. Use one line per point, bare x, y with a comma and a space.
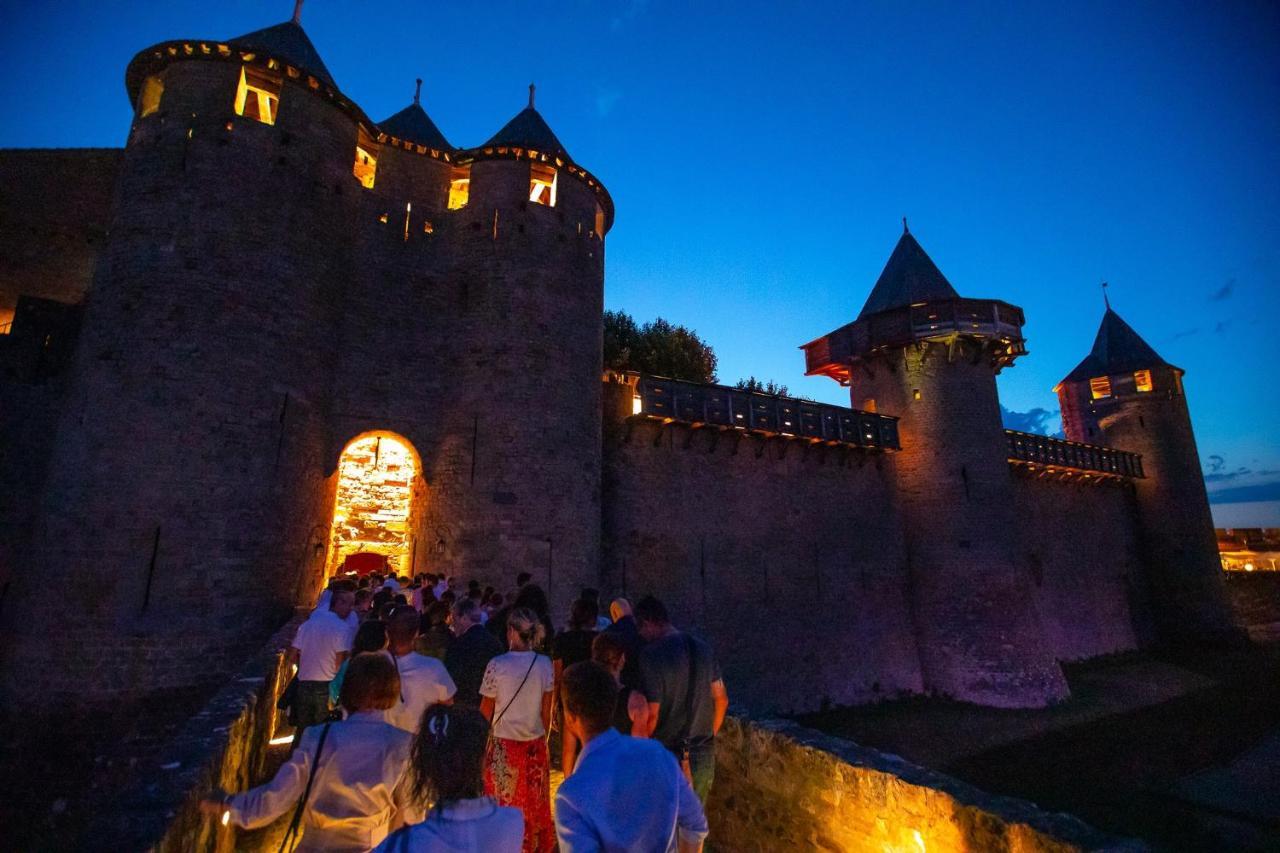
279, 276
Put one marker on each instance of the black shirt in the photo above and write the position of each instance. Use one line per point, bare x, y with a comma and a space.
573, 646
466, 661
625, 629
664, 668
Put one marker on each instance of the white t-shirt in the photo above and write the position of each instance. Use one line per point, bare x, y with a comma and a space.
522, 719
423, 682
318, 641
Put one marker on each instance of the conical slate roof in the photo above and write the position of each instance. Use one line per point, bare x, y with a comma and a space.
910, 276
529, 130
1116, 349
288, 42
413, 123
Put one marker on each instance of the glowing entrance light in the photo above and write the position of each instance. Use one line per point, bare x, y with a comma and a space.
374, 508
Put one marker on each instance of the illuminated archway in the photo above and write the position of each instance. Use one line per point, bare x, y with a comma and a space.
374, 508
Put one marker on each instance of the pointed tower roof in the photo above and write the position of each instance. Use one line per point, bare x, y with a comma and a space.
529, 130
413, 123
1116, 349
910, 276
288, 42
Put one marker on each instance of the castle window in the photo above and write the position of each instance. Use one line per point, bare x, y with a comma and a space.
600, 222
459, 187
149, 97
1099, 387
1142, 380
258, 95
366, 164
542, 184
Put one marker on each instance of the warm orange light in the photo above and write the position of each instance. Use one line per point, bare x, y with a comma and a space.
459, 187
149, 97
374, 502
542, 184
1099, 387
1142, 380
637, 405
258, 95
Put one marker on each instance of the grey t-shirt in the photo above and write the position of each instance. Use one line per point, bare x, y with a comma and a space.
664, 671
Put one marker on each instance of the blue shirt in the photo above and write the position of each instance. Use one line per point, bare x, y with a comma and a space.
626, 794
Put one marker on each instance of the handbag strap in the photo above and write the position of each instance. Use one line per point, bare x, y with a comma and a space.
302, 802
517, 693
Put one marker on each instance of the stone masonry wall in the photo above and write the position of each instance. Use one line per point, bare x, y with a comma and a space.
781, 787
1080, 545
788, 558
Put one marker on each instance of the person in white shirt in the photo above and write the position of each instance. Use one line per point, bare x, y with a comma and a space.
358, 769
447, 769
516, 694
319, 648
423, 680
625, 793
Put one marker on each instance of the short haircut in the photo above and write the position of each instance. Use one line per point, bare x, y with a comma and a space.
584, 613
403, 624
653, 611
336, 595
343, 585
465, 608
371, 636
590, 694
371, 683
523, 578
590, 594
363, 594
608, 649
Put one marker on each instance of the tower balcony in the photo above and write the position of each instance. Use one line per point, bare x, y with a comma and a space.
990, 320
1058, 456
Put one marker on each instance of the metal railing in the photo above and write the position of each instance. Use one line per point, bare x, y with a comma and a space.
733, 408
1056, 452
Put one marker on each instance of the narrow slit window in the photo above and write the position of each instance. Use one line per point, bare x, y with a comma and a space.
366, 164
1142, 380
258, 96
600, 222
149, 97
542, 184
459, 187
1099, 387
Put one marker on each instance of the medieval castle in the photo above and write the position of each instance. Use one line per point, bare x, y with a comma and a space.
271, 333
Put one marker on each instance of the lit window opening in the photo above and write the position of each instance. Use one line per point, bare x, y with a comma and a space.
374, 506
149, 97
365, 166
1100, 387
542, 184
459, 187
600, 222
1142, 380
258, 95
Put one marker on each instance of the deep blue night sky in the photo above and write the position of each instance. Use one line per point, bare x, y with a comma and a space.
761, 157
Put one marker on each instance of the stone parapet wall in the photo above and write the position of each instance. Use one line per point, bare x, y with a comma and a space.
223, 746
780, 786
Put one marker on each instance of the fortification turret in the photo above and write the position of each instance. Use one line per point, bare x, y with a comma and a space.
921, 352
1124, 395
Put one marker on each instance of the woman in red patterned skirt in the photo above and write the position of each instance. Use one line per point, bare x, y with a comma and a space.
516, 696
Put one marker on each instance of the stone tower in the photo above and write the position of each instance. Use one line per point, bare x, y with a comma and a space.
921, 352
1125, 395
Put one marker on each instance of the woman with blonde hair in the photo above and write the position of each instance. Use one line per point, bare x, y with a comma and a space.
516, 694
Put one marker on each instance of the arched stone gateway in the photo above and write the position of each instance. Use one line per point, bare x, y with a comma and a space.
377, 504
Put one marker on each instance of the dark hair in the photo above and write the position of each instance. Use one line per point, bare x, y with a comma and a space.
532, 597
343, 585
449, 596
584, 613
363, 594
496, 600
465, 608
473, 584
448, 756
338, 592
653, 611
608, 650
590, 692
590, 595
371, 636
403, 624
400, 599
370, 684
437, 613
523, 578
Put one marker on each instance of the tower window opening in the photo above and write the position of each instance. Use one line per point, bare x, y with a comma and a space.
542, 184
1099, 387
258, 95
1142, 380
459, 187
374, 506
149, 97
600, 222
366, 163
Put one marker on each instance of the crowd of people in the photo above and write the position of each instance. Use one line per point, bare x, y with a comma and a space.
424, 714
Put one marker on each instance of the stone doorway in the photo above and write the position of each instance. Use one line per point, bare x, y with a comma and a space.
377, 505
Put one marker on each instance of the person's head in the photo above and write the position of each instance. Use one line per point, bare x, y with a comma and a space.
371, 636
437, 613
496, 601
454, 583
363, 601
402, 628
474, 594
341, 602
363, 583
522, 579
381, 597
651, 618
448, 597
371, 683
466, 614
524, 630
591, 595
400, 599
583, 616
405, 581
532, 597
608, 650
589, 692
619, 608
473, 584
447, 763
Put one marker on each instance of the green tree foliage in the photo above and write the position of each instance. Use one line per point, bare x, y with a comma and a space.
766, 387
658, 348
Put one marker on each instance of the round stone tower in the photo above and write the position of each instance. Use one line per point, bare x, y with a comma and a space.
924, 354
1126, 396
187, 474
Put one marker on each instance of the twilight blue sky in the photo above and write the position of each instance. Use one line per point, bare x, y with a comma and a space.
761, 157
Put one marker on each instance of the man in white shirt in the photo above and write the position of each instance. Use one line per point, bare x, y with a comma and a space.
625, 793
423, 680
319, 648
